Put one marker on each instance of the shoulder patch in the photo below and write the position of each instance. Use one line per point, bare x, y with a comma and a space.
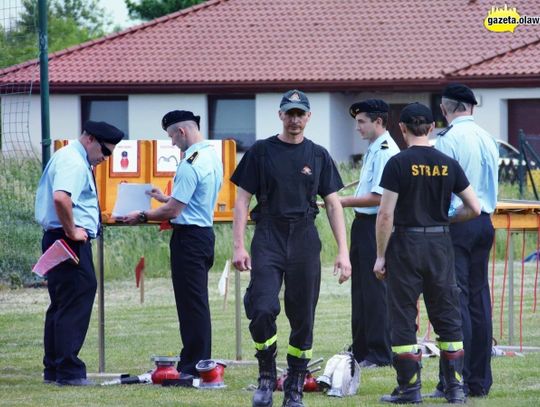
443, 132
384, 145
193, 157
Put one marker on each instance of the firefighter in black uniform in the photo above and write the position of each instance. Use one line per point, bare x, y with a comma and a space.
418, 255
286, 172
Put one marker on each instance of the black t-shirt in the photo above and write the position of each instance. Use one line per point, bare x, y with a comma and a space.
294, 174
424, 178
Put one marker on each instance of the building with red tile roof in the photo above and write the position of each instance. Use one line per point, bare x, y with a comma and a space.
230, 59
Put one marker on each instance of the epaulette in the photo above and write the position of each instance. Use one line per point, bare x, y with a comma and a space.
384, 145
443, 132
193, 157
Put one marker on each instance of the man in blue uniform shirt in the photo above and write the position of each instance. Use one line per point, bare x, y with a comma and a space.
190, 209
369, 322
286, 172
67, 208
477, 153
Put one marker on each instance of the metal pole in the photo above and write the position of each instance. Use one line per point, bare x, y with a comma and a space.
521, 165
238, 314
101, 304
44, 83
511, 289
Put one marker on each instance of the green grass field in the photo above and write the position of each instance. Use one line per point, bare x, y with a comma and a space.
135, 332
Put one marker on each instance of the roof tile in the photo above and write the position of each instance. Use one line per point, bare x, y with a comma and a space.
256, 41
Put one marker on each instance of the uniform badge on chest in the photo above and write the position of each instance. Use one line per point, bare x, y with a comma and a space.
306, 170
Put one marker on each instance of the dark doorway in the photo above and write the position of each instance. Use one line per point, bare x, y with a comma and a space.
393, 126
524, 114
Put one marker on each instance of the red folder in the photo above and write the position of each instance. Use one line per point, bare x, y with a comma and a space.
57, 253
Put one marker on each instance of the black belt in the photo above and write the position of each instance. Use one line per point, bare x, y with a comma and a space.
358, 215
178, 226
422, 229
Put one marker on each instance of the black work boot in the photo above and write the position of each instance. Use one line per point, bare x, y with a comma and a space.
452, 370
293, 388
438, 393
267, 377
407, 367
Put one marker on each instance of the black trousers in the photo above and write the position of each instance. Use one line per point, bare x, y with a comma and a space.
416, 263
370, 325
192, 255
72, 289
472, 242
290, 252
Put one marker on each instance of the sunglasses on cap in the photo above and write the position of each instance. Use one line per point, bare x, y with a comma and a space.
104, 149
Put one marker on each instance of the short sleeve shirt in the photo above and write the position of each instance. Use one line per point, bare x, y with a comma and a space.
293, 174
478, 154
197, 182
425, 179
68, 170
377, 155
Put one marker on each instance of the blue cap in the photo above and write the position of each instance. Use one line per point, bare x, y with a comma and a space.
294, 99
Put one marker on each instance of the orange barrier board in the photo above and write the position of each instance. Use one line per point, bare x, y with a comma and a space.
154, 162
515, 214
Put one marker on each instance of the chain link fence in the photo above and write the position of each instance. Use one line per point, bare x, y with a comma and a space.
20, 166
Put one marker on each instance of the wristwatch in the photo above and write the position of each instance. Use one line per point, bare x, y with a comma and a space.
142, 217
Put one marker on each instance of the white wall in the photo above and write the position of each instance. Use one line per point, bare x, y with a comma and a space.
267, 122
144, 115
146, 111
492, 112
64, 118
330, 124
344, 139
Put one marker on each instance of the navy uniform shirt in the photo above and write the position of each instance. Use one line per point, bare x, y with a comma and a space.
425, 179
379, 152
68, 171
293, 173
477, 153
197, 183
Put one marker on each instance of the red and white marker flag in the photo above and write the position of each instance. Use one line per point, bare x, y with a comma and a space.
57, 253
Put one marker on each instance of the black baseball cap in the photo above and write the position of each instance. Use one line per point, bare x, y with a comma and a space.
103, 131
369, 106
459, 93
416, 113
294, 99
177, 116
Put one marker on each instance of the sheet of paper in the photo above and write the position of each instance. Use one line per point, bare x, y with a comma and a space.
131, 197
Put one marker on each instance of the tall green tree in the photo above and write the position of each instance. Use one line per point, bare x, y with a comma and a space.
70, 22
150, 9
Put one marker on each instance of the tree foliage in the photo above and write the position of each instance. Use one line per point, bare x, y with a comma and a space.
150, 9
70, 22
